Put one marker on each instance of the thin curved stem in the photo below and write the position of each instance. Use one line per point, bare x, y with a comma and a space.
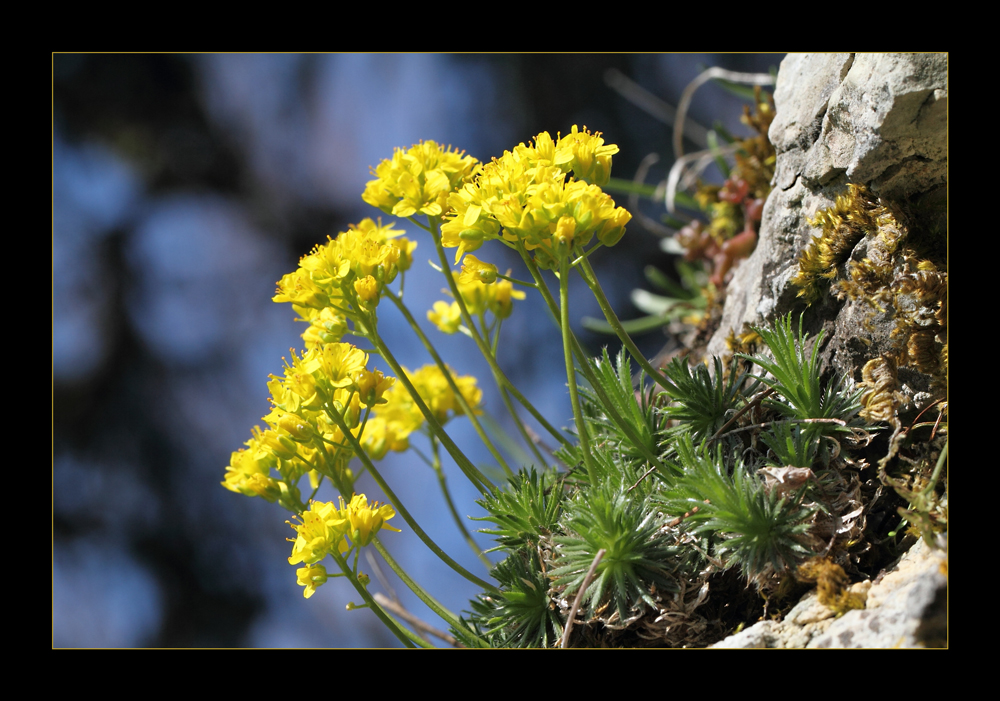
574, 394
478, 479
587, 273
459, 397
432, 603
398, 505
443, 482
505, 396
372, 604
484, 348
587, 367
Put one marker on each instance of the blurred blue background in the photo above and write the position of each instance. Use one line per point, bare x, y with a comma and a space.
184, 186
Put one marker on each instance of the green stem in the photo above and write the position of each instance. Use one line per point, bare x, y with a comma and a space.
468, 410
330, 463
574, 395
587, 273
442, 481
498, 374
587, 365
372, 604
398, 505
431, 602
420, 642
478, 479
928, 491
541, 461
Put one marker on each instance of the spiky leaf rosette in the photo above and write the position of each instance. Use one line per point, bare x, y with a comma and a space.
637, 554
526, 512
522, 615
704, 401
795, 376
793, 445
755, 529
631, 422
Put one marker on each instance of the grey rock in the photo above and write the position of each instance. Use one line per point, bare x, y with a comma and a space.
803, 90
882, 125
905, 608
872, 119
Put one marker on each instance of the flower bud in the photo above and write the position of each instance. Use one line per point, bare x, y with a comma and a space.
475, 270
372, 385
298, 428
311, 577
367, 289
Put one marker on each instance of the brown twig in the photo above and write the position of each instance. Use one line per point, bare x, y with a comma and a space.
936, 424
386, 603
757, 400
579, 597
926, 408
839, 422
646, 474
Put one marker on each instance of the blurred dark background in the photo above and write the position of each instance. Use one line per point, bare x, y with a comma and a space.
184, 186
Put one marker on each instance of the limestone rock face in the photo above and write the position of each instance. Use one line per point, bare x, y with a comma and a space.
875, 118
878, 120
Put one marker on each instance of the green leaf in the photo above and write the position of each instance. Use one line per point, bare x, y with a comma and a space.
795, 376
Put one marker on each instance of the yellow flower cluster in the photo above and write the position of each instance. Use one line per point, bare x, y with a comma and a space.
526, 193
326, 527
418, 180
302, 436
344, 276
396, 416
480, 296
433, 388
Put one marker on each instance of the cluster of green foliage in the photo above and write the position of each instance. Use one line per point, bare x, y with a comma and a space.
704, 505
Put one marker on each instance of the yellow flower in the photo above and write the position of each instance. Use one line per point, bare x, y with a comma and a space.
337, 364
311, 578
321, 530
367, 289
447, 317
590, 158
565, 229
300, 289
470, 226
613, 228
476, 296
475, 270
372, 385
248, 474
360, 260
471, 392
503, 294
528, 195
433, 388
295, 426
495, 298
393, 423
418, 180
327, 327
365, 521
275, 442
